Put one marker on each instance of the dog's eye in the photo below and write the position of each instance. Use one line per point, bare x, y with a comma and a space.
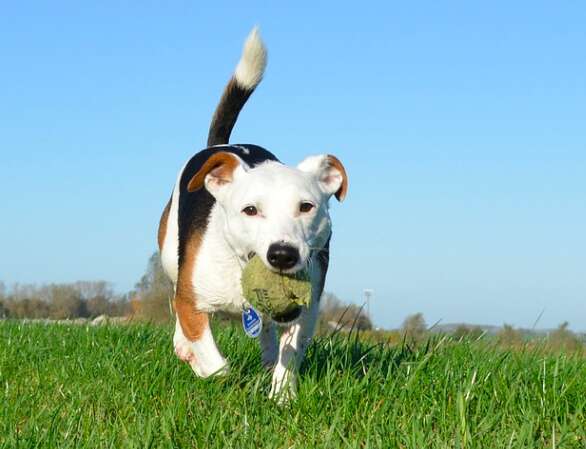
251, 211
305, 207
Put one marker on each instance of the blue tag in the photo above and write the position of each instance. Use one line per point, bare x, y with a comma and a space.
251, 322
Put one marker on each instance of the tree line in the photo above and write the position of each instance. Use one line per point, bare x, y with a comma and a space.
150, 300
82, 299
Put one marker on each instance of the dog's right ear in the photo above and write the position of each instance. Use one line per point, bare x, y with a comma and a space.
330, 173
217, 172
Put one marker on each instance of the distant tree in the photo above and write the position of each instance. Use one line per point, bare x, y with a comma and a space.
509, 336
467, 332
334, 312
24, 291
153, 292
27, 308
59, 301
98, 296
3, 309
97, 306
92, 289
563, 339
120, 306
66, 302
329, 302
414, 328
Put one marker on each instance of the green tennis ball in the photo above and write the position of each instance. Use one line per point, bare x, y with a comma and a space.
274, 293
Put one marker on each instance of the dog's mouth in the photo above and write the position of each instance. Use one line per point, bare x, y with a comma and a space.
288, 316
291, 271
302, 265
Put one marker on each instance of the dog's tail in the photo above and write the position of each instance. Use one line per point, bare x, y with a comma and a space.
247, 76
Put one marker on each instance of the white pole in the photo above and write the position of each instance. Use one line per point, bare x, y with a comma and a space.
367, 295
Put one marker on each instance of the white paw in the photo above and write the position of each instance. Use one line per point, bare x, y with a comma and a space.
183, 351
207, 368
283, 386
202, 366
202, 355
182, 345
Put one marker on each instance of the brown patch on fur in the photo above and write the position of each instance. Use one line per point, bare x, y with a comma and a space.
192, 321
163, 225
220, 166
343, 190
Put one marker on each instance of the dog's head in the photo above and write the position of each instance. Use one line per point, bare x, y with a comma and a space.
278, 212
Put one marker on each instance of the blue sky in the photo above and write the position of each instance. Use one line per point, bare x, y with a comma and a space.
462, 128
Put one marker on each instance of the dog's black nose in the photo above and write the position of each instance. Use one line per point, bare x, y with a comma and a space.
282, 256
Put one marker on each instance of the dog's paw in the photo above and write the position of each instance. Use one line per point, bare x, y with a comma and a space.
207, 368
201, 366
283, 387
184, 352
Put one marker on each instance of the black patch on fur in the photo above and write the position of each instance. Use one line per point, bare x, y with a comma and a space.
323, 259
226, 114
195, 207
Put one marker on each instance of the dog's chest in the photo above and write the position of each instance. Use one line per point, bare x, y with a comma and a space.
217, 277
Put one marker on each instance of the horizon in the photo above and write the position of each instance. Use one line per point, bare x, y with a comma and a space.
10, 290
461, 128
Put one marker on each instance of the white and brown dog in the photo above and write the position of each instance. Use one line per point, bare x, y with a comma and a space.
231, 202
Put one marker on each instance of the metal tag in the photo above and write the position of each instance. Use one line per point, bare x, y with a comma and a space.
251, 322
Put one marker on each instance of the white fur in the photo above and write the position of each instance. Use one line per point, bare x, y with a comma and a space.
253, 61
202, 355
276, 191
169, 251
328, 176
217, 271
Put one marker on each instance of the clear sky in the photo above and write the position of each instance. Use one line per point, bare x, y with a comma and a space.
462, 126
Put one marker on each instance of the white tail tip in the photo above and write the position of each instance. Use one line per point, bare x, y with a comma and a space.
253, 61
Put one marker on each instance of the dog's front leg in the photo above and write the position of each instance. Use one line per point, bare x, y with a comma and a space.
294, 341
268, 344
200, 351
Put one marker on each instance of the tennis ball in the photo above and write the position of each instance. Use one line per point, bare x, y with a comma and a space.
274, 293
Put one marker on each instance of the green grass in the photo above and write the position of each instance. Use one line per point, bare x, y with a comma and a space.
122, 387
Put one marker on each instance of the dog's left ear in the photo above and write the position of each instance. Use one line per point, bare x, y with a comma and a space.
330, 172
216, 173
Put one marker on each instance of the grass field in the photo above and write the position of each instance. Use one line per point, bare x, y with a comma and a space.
122, 387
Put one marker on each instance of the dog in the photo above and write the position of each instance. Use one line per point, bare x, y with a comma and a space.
231, 202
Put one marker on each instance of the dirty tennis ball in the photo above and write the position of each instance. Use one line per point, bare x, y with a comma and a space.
274, 293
